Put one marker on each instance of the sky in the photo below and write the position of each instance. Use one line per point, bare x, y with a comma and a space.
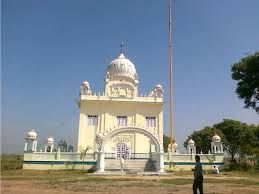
48, 47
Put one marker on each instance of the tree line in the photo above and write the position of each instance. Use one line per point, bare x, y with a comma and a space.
240, 141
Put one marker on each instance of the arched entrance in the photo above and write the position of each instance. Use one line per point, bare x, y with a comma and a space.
103, 141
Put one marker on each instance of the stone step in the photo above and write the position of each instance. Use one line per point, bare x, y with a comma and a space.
131, 165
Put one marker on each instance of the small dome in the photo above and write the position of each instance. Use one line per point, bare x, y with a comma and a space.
191, 142
31, 134
158, 86
85, 83
175, 145
50, 140
216, 138
121, 66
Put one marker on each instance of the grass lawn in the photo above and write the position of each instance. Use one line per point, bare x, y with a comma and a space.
16, 180
32, 181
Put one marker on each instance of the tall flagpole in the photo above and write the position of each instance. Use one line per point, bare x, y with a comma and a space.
171, 72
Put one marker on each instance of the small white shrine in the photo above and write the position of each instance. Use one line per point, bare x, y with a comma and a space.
49, 147
216, 144
191, 147
31, 141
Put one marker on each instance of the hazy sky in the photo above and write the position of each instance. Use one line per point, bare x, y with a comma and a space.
50, 46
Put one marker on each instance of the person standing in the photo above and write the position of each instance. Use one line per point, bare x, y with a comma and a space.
215, 170
198, 176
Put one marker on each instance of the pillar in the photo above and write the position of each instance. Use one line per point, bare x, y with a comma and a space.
101, 162
161, 162
58, 154
170, 157
34, 146
25, 146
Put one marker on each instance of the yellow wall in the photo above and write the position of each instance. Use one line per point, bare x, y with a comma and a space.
108, 109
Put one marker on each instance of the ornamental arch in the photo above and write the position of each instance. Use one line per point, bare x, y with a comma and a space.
158, 144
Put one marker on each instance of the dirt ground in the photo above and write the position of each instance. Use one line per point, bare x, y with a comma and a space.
46, 182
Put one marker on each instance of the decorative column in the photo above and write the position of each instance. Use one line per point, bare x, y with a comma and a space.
25, 146
161, 162
170, 152
101, 165
34, 146
58, 154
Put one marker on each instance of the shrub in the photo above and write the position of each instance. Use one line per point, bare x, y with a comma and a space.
11, 162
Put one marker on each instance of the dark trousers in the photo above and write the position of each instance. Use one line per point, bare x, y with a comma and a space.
198, 184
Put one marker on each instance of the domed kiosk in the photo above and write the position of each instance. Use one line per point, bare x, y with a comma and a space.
49, 147
31, 141
216, 145
191, 147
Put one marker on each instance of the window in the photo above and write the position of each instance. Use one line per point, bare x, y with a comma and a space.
150, 121
122, 120
92, 120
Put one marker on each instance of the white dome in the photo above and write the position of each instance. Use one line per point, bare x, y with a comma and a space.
216, 138
85, 83
175, 145
31, 134
158, 86
191, 142
50, 140
121, 66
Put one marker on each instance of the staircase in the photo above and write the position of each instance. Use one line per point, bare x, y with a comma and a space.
131, 165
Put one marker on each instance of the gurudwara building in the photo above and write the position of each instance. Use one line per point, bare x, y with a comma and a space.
115, 123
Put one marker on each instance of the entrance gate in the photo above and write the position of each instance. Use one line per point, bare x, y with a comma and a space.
121, 148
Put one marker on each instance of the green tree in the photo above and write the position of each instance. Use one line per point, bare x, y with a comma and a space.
246, 72
203, 138
240, 138
249, 148
166, 142
257, 147
232, 131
